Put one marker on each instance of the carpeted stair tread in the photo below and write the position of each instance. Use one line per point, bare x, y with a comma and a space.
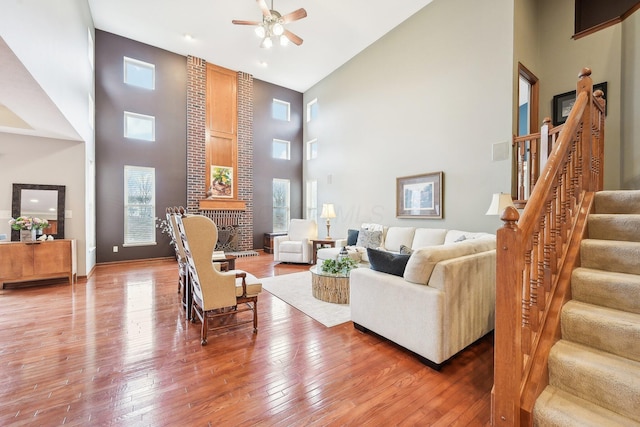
606, 329
557, 408
618, 202
605, 288
611, 255
605, 379
614, 227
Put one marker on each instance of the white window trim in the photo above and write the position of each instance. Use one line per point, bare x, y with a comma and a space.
309, 151
288, 104
139, 63
152, 119
282, 141
126, 205
309, 106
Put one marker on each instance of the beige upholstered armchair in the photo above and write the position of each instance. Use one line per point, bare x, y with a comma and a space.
296, 245
215, 293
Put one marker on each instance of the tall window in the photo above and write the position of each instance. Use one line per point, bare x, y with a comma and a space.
139, 205
281, 110
281, 204
139, 73
312, 110
312, 199
281, 149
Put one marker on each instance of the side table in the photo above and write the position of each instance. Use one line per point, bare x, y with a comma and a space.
320, 243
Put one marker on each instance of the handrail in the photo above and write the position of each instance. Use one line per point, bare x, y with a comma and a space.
535, 251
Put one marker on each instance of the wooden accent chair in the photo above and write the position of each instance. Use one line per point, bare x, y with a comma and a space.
176, 242
215, 293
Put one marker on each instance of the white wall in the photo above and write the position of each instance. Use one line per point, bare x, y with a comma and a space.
432, 95
631, 103
50, 39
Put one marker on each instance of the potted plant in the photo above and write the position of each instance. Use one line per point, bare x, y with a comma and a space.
342, 265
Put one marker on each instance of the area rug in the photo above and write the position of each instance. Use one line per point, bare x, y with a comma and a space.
295, 290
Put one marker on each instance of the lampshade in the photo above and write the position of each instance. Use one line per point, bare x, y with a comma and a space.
328, 211
499, 203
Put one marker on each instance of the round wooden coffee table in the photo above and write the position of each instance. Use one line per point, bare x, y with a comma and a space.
329, 287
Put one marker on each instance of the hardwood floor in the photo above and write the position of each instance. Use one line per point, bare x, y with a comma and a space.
116, 350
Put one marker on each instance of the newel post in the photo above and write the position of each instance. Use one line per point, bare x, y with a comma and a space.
508, 331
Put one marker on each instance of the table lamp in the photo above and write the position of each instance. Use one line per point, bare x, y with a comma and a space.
328, 212
499, 203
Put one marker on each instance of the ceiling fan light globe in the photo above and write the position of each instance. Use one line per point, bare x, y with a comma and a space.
284, 40
277, 29
260, 31
266, 43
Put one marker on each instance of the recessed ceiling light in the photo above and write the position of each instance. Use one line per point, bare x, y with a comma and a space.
263, 63
188, 37
34, 200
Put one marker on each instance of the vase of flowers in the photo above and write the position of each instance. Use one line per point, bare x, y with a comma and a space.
28, 227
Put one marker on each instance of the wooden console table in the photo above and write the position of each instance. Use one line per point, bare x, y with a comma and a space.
26, 261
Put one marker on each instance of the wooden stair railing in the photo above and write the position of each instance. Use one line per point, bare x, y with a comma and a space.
532, 152
536, 253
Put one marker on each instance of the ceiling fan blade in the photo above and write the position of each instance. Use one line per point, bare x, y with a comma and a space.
241, 22
265, 9
292, 37
294, 16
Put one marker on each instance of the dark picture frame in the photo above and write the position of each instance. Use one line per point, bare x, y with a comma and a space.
563, 103
420, 196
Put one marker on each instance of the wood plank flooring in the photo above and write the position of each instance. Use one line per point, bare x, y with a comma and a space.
116, 350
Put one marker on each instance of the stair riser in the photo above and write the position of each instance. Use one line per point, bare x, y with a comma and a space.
610, 257
596, 381
607, 290
615, 227
594, 328
622, 202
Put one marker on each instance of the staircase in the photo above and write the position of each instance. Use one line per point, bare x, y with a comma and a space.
594, 370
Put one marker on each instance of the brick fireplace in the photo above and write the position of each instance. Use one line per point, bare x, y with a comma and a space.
235, 226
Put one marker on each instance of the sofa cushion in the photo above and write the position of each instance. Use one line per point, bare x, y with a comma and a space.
397, 236
387, 262
352, 237
369, 239
428, 237
456, 235
405, 250
423, 260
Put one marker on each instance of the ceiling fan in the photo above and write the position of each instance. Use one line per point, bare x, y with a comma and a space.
272, 25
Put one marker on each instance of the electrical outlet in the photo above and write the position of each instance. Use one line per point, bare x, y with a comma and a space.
115, 249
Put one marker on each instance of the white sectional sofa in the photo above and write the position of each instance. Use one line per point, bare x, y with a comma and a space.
444, 300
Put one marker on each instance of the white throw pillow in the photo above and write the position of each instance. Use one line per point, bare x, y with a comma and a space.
398, 236
428, 237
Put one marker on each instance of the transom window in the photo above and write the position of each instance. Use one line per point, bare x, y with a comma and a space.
281, 110
139, 206
281, 149
312, 149
139, 126
139, 73
312, 110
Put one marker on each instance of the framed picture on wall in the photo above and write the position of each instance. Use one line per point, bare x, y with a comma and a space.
221, 182
419, 196
563, 103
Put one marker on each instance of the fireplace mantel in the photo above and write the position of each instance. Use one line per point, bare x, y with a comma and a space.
223, 205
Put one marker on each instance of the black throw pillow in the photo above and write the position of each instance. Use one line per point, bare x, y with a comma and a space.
352, 237
387, 262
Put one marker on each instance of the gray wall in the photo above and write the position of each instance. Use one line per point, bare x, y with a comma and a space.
265, 168
167, 154
434, 94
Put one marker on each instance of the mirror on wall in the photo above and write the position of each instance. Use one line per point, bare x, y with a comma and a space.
42, 201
